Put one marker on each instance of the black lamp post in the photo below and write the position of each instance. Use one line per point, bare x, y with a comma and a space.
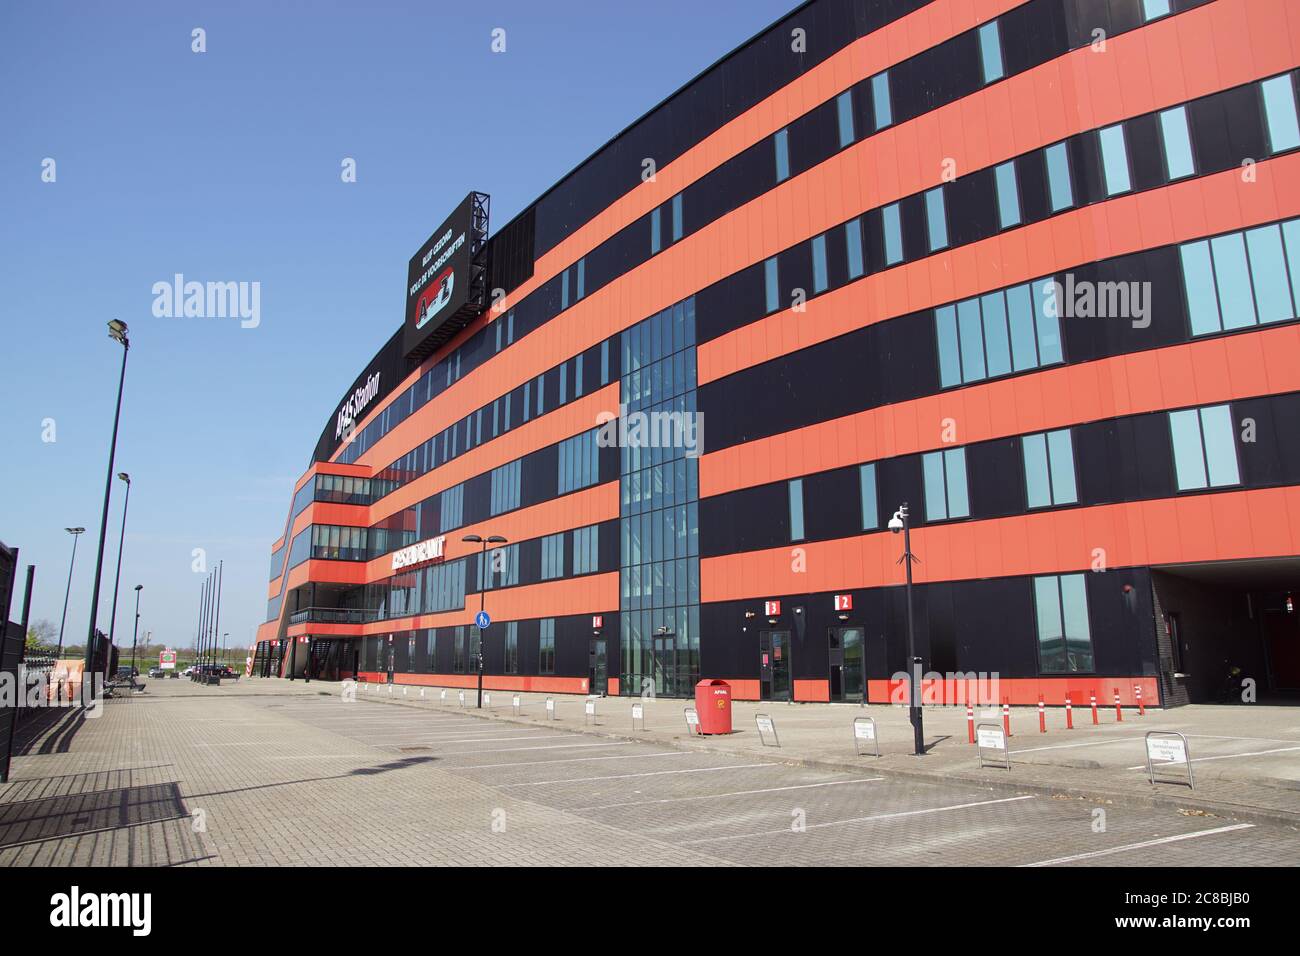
121, 542
135, 635
117, 330
482, 594
901, 523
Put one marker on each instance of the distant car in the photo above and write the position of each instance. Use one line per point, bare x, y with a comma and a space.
126, 673
157, 672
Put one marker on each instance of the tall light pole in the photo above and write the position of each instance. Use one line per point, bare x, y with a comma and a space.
136, 633
121, 541
482, 594
901, 523
117, 331
76, 533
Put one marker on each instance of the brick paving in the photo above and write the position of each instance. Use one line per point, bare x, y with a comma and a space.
272, 773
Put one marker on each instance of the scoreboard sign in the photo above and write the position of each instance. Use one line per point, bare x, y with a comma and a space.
446, 279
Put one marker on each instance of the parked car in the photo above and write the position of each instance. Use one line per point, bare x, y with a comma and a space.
127, 672
157, 671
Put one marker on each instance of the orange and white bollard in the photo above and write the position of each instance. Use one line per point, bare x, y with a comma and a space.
970, 722
1137, 691
1042, 716
1069, 714
1093, 698
1006, 718
1119, 713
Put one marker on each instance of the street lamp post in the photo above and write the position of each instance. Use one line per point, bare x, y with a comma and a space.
482, 594
117, 330
136, 633
121, 542
76, 533
901, 523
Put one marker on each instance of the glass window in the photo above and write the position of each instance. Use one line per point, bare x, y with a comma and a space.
991, 52
796, 510
677, 217
656, 238
1232, 276
546, 647
1178, 143
1114, 160
582, 279
1269, 274
946, 494
771, 285
1049, 469
1280, 112
564, 298
867, 493
782, 141
853, 239
972, 340
1008, 195
1198, 283
893, 226
844, 114
997, 345
936, 219
1064, 636
1058, 177
1155, 9
820, 280
880, 105
949, 352
1205, 452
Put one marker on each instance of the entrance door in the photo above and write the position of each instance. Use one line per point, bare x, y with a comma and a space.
665, 658
597, 676
774, 665
846, 676
388, 652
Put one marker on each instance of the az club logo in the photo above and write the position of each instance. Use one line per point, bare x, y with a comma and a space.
434, 298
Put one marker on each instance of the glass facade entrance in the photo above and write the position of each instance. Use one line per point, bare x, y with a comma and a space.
659, 567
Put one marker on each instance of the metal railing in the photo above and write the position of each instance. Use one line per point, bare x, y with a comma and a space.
334, 615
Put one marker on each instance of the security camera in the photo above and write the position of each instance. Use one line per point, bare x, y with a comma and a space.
896, 522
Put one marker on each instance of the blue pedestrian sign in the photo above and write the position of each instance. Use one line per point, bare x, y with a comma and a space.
482, 620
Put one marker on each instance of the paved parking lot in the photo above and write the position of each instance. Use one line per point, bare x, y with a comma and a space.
297, 776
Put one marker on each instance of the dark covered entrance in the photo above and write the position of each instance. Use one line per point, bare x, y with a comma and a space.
1223, 622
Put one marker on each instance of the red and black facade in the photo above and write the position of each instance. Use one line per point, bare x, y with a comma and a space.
1031, 267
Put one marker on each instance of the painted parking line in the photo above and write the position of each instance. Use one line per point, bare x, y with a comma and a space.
878, 816
488, 740
1139, 846
629, 776
538, 763
733, 793
508, 750
1090, 743
1252, 753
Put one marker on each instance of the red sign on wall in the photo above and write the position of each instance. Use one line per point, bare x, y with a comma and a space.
597, 620
772, 608
844, 602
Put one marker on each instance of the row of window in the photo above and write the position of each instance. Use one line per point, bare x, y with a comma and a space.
1204, 453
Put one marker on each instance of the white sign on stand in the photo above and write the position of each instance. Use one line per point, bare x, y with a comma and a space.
766, 728
692, 720
550, 708
992, 737
589, 711
1168, 748
514, 702
638, 713
864, 728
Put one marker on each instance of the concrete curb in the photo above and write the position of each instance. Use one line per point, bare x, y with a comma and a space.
1184, 800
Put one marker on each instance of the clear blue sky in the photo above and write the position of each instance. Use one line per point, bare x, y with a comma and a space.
225, 166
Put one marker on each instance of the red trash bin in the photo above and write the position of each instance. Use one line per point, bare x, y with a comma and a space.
713, 704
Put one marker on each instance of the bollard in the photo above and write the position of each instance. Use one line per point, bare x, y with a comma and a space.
1119, 714
1006, 718
1042, 716
1069, 714
970, 722
1092, 696
1137, 690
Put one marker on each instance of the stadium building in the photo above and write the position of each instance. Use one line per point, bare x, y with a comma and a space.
1031, 267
